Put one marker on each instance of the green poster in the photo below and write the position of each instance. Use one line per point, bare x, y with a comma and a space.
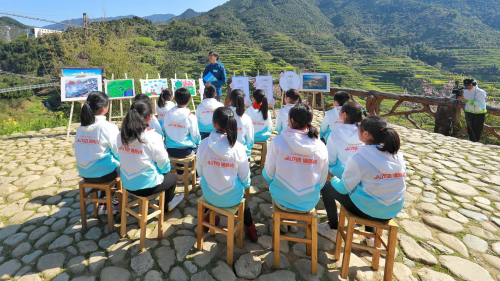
189, 84
116, 89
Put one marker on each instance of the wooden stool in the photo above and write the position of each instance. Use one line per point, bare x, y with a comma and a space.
142, 216
263, 152
106, 187
311, 239
188, 171
230, 213
347, 235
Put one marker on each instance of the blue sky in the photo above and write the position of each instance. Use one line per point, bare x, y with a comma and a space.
58, 10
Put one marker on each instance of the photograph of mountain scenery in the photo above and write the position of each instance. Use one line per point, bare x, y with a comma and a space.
261, 140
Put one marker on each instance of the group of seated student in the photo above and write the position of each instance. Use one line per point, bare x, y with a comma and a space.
361, 153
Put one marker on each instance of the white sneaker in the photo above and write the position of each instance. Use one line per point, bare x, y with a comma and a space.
370, 241
325, 231
175, 201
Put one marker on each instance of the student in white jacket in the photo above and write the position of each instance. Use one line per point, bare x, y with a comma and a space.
145, 162
373, 184
222, 163
344, 140
245, 125
297, 163
331, 119
292, 97
205, 111
261, 116
96, 151
182, 136
154, 123
164, 105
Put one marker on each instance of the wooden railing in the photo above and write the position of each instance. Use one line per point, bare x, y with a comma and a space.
446, 108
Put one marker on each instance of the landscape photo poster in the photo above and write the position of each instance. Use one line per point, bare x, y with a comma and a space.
189, 84
153, 87
242, 83
289, 80
120, 89
265, 83
315, 82
79, 88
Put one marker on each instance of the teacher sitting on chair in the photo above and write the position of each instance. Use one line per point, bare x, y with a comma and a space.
215, 74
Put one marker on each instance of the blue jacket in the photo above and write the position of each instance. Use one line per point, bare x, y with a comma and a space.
219, 72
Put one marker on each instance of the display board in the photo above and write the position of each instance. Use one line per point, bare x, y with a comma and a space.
289, 80
120, 89
153, 87
315, 82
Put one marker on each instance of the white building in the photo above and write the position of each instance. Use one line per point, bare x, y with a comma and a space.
36, 32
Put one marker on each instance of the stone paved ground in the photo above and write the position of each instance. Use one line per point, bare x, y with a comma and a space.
449, 226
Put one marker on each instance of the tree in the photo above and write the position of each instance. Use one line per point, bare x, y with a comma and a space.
259, 66
171, 66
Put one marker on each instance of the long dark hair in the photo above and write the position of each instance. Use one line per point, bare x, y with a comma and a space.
237, 98
354, 112
260, 97
381, 134
135, 122
95, 101
224, 118
164, 97
302, 116
294, 95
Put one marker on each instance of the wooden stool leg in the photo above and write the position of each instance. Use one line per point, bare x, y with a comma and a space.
241, 216
230, 239
95, 194
186, 180
194, 176
200, 225
212, 222
308, 236
377, 244
109, 207
161, 204
276, 236
247, 194
391, 245
123, 210
347, 248
340, 230
83, 208
314, 242
143, 205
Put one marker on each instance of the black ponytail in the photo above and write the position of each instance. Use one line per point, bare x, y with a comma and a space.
302, 116
381, 134
260, 97
135, 123
294, 95
224, 118
237, 98
165, 96
354, 112
95, 101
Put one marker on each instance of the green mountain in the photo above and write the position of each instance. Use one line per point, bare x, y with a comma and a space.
16, 28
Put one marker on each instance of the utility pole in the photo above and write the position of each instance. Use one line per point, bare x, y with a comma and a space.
8, 34
85, 24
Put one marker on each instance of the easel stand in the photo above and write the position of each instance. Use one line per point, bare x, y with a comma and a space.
71, 118
313, 105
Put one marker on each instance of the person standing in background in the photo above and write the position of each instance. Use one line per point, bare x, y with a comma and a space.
215, 74
475, 109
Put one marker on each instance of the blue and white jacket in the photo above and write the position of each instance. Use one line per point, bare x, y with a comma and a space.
282, 119
375, 182
96, 151
224, 170
262, 128
245, 131
476, 100
296, 169
155, 125
161, 111
181, 129
330, 121
343, 142
205, 113
143, 164
219, 72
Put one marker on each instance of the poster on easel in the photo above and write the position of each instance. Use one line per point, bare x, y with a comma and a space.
265, 83
79, 88
315, 82
201, 90
120, 89
289, 80
153, 87
242, 83
79, 72
189, 84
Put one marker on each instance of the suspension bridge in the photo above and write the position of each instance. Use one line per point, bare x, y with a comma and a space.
30, 87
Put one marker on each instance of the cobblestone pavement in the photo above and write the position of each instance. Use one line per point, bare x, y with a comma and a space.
448, 228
